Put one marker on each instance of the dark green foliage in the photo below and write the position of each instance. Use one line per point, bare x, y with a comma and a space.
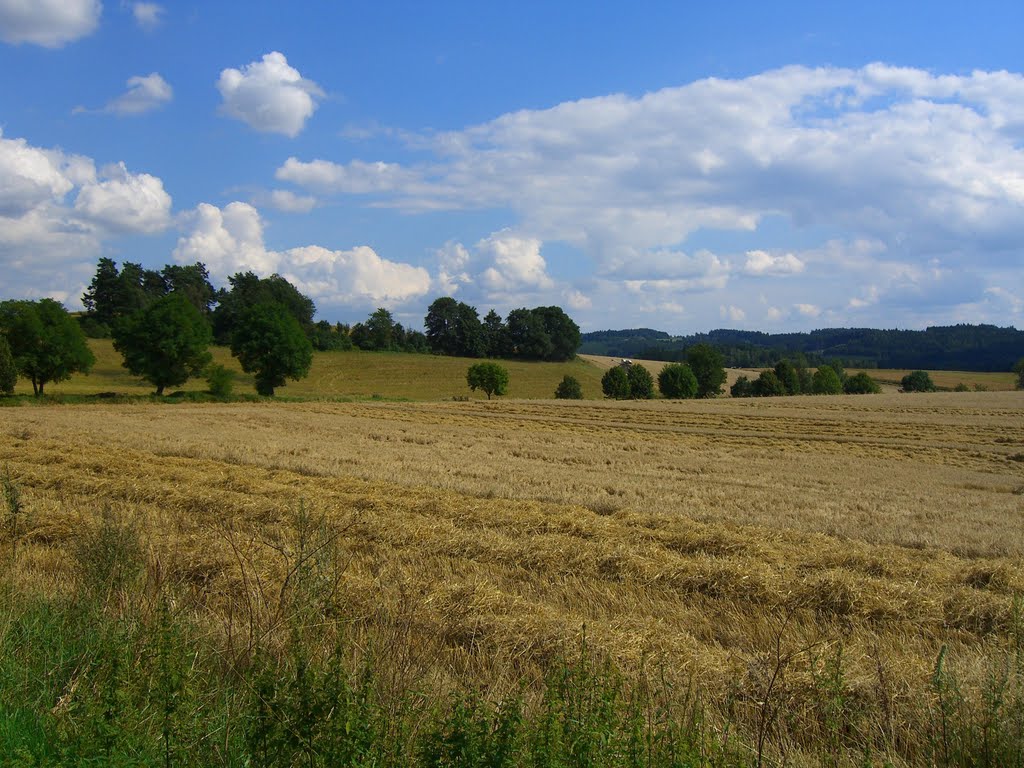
569, 389
562, 331
165, 342
114, 294
269, 343
191, 281
1018, 368
707, 365
957, 347
247, 290
826, 381
836, 366
46, 342
641, 383
454, 328
615, 383
861, 384
788, 375
677, 381
220, 380
489, 377
380, 333
329, 338
768, 384
494, 335
526, 336
743, 387
917, 381
8, 370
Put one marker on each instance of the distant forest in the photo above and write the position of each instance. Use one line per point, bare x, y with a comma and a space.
952, 348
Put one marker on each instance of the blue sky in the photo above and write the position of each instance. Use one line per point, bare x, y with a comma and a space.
781, 166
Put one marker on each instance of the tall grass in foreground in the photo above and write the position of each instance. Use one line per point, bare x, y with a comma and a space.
118, 669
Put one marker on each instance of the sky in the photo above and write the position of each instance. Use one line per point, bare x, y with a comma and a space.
767, 166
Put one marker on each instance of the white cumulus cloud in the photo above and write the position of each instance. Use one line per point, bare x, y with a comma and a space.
289, 202
49, 23
515, 262
145, 93
764, 263
356, 177
125, 202
269, 95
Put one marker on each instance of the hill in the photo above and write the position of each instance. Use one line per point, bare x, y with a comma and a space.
957, 347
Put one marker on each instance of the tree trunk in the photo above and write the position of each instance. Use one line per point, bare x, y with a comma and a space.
159, 390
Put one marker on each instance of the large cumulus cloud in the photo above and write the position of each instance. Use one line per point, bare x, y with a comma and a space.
269, 95
49, 23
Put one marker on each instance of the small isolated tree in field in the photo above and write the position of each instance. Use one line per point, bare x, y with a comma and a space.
826, 381
676, 381
861, 384
165, 342
46, 342
615, 383
918, 381
8, 370
641, 383
269, 343
489, 377
1018, 368
569, 389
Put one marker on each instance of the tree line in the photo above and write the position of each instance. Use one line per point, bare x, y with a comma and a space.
958, 347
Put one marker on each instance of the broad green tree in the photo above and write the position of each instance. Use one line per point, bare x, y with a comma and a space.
707, 365
789, 377
489, 377
861, 384
826, 381
742, 387
270, 344
164, 343
247, 290
641, 383
569, 389
454, 328
768, 384
46, 342
615, 383
8, 370
676, 381
917, 381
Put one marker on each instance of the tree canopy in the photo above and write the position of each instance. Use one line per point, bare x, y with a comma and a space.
917, 381
489, 377
46, 342
8, 370
114, 293
247, 290
569, 388
707, 365
677, 381
269, 343
164, 343
454, 328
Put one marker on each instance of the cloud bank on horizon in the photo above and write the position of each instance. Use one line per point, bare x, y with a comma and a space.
795, 197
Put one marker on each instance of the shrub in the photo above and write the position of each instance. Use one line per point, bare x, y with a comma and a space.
569, 389
220, 380
826, 381
490, 377
918, 381
769, 384
677, 381
615, 383
961, 387
641, 383
861, 384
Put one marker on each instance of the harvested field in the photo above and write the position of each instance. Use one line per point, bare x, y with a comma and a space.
697, 537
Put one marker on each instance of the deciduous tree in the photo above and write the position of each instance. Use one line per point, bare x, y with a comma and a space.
489, 377
641, 383
706, 362
826, 381
569, 389
164, 343
269, 343
8, 370
677, 381
46, 342
615, 383
917, 381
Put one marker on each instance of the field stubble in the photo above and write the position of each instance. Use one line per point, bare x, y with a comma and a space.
700, 537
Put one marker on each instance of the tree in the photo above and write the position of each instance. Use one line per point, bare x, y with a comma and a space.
1018, 368
494, 335
917, 381
380, 330
615, 383
248, 290
490, 377
676, 381
742, 387
562, 331
861, 384
8, 370
526, 336
46, 342
114, 294
453, 328
641, 383
569, 389
269, 343
707, 365
164, 343
768, 384
789, 377
193, 282
826, 381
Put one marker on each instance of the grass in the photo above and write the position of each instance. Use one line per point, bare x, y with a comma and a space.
830, 580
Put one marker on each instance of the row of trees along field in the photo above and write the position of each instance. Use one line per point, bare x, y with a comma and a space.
702, 375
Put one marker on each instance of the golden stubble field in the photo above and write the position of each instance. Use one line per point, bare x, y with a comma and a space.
701, 536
